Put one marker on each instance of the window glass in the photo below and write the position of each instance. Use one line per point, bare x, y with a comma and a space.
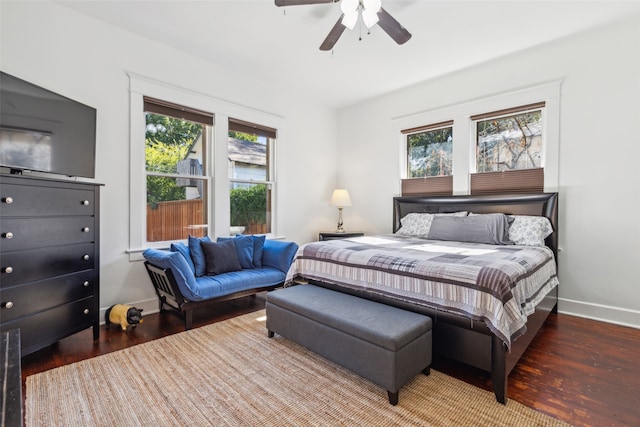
175, 153
430, 153
250, 178
509, 142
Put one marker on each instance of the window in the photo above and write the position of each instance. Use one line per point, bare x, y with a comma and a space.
429, 153
506, 142
251, 177
176, 146
509, 142
508, 150
197, 180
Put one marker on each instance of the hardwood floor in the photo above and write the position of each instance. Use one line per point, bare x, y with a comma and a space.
578, 370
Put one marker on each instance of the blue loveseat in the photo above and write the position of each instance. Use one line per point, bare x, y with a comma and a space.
182, 282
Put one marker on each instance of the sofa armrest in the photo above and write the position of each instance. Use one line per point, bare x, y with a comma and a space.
185, 279
279, 254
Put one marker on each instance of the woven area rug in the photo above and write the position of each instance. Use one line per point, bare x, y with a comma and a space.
231, 374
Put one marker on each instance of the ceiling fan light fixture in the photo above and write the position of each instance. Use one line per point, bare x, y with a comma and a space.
349, 20
372, 6
349, 7
350, 10
369, 18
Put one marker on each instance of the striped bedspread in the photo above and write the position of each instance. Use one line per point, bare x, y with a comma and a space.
500, 285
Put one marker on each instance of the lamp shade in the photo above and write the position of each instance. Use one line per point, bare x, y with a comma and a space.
340, 198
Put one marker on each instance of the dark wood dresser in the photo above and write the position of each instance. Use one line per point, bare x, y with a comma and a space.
49, 258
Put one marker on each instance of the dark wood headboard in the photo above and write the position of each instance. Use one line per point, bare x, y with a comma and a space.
538, 204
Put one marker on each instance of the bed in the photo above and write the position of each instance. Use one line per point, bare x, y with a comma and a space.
487, 324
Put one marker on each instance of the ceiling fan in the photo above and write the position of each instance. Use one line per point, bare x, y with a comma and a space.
371, 11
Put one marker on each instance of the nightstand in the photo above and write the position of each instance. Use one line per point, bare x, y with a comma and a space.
333, 235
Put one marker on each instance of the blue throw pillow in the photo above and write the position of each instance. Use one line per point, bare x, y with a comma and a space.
258, 249
184, 250
244, 249
220, 257
197, 254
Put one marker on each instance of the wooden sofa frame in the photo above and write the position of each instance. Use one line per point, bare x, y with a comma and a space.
170, 296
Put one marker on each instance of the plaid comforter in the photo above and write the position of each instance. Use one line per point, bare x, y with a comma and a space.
500, 285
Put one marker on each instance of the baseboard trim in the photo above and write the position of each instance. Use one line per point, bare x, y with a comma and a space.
148, 306
600, 312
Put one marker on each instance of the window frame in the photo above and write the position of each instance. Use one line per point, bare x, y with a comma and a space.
272, 137
218, 208
206, 121
464, 148
428, 128
433, 185
502, 114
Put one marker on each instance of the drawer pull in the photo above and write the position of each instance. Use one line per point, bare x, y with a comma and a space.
85, 257
7, 304
85, 202
8, 200
8, 269
8, 235
85, 230
86, 311
86, 284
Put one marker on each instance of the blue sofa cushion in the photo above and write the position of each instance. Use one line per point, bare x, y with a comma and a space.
244, 249
184, 250
220, 257
197, 254
236, 281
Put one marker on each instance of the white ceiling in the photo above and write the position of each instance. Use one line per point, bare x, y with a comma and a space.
260, 40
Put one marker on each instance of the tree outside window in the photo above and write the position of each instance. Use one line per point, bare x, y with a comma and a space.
509, 143
176, 186
430, 153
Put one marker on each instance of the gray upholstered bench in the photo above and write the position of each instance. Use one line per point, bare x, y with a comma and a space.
383, 344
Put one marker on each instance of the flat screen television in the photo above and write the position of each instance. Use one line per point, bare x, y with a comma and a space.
45, 132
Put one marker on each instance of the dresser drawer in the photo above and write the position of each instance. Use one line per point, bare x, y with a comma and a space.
42, 200
37, 264
41, 295
46, 327
25, 233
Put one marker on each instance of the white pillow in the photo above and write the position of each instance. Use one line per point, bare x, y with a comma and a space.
529, 230
419, 224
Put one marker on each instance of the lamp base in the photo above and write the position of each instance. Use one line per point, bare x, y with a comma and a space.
339, 229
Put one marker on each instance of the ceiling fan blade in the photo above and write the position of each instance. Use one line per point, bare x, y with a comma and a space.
302, 2
392, 27
334, 35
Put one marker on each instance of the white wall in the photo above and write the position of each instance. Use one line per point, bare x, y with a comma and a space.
599, 169
86, 60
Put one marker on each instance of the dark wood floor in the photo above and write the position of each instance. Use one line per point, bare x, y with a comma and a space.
581, 371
